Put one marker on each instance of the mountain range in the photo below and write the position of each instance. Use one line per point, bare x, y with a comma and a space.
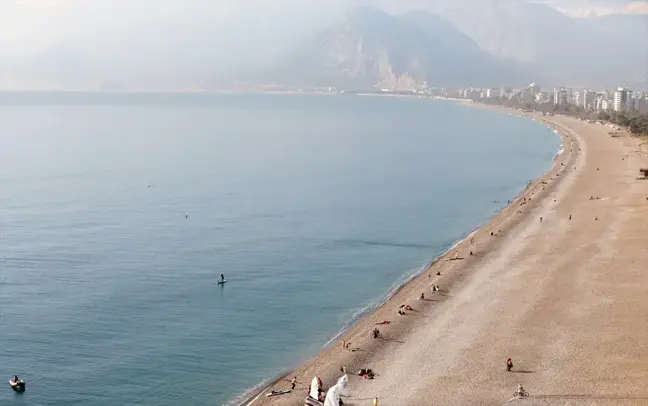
468, 43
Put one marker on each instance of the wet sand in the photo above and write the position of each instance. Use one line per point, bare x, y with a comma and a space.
566, 299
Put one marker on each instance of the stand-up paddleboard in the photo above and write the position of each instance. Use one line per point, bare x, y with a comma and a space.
222, 282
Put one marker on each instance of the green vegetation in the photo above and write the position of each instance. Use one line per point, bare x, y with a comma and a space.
635, 122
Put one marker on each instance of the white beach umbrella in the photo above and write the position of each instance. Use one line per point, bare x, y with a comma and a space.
343, 385
332, 396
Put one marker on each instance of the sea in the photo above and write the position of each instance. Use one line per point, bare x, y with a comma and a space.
119, 211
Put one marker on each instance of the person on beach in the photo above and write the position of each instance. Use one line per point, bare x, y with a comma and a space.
375, 402
541, 219
376, 333
509, 365
422, 297
520, 391
570, 216
293, 383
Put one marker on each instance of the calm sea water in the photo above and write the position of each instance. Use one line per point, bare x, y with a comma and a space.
118, 213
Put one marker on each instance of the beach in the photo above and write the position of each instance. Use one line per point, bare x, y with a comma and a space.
556, 282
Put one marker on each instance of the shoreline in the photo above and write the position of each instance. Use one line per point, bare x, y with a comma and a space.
254, 397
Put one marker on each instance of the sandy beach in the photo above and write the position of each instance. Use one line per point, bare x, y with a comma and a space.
557, 282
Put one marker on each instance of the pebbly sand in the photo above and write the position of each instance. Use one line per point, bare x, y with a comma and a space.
567, 300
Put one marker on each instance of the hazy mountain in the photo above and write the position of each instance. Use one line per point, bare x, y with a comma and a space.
374, 49
601, 51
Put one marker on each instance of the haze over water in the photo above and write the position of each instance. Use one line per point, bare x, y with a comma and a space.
119, 211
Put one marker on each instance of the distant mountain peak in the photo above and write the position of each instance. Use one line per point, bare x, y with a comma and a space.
374, 49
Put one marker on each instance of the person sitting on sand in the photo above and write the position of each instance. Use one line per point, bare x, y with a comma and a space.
400, 312
422, 297
521, 391
376, 333
408, 307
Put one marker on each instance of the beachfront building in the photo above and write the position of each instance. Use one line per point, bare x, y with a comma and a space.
587, 98
622, 100
542, 97
606, 105
602, 103
642, 105
506, 91
492, 93
570, 95
472, 94
561, 96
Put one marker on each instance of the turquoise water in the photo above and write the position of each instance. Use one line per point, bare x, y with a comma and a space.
118, 212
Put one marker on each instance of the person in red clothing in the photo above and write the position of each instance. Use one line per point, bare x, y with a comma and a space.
509, 365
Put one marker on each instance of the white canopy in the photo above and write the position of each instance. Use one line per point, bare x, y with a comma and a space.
332, 396
341, 388
343, 383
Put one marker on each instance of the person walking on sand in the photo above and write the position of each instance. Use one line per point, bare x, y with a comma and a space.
541, 219
509, 365
570, 216
293, 383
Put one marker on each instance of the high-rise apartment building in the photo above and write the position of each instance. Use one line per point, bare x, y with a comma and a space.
561, 96
587, 99
622, 100
493, 93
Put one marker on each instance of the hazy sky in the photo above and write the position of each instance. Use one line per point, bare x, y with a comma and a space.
161, 40
81, 43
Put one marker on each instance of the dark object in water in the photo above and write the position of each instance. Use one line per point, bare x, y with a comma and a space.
18, 386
